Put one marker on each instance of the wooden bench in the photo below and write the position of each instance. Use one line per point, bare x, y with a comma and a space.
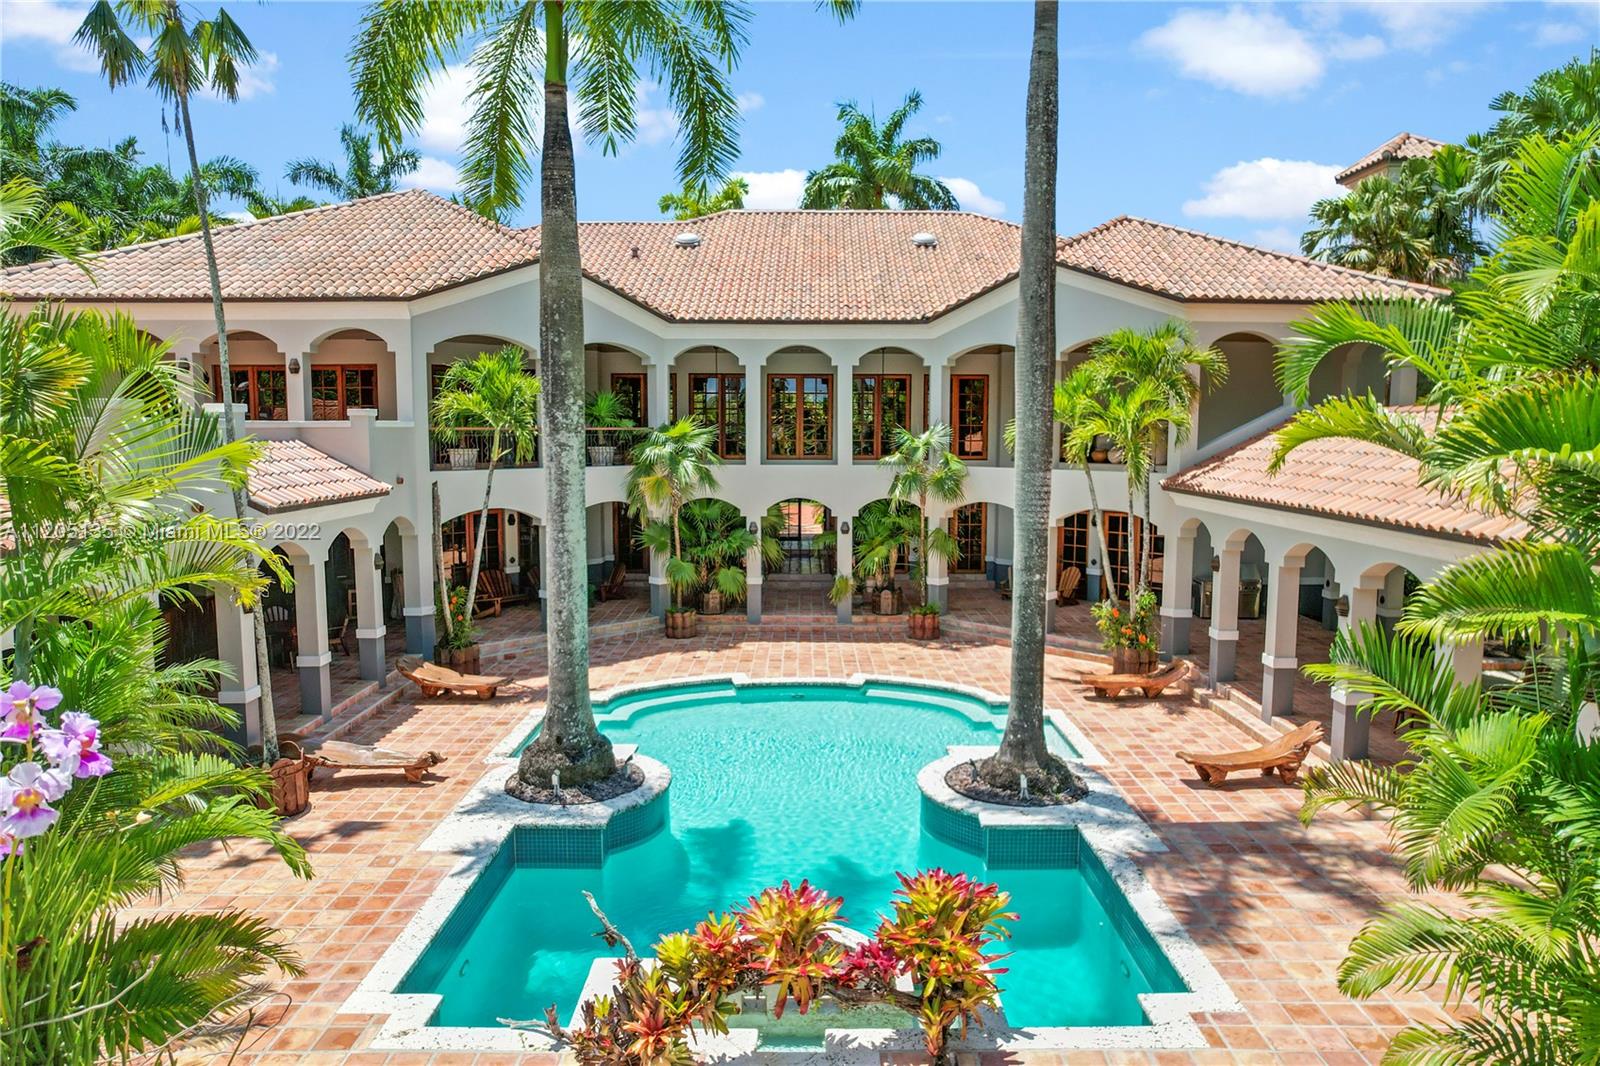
342, 755
1283, 756
494, 592
612, 588
436, 680
1112, 685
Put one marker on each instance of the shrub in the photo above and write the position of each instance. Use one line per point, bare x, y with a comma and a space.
1124, 627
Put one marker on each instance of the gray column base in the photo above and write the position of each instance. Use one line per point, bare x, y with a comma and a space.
544, 614
844, 611
1351, 727
373, 668
1175, 635
752, 604
1277, 690
660, 599
939, 595
239, 732
316, 691
420, 635
1224, 655
1330, 617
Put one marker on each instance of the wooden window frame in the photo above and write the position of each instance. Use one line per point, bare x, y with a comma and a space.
956, 434
643, 381
877, 412
721, 425
798, 377
253, 389
339, 371
982, 567
496, 535
1122, 548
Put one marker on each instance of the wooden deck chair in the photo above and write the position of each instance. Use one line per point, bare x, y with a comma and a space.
436, 680
613, 584
1283, 756
1151, 685
1067, 586
342, 755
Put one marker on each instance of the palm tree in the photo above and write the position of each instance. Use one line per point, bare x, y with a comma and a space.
691, 204
363, 176
875, 169
183, 58
1023, 759
520, 60
672, 465
1560, 103
1496, 797
26, 115
924, 468
31, 228
489, 393
1161, 357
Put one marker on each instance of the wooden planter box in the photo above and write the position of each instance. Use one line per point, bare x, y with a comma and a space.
682, 624
888, 601
1133, 660
925, 626
291, 780
711, 602
463, 660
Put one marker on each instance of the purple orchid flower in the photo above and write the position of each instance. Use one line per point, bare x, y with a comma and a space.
25, 798
9, 846
20, 707
75, 747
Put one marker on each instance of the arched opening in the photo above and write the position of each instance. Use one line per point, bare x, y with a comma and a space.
260, 375
469, 448
1352, 370
508, 574
619, 564
710, 384
1249, 393
980, 571
980, 402
1110, 576
352, 368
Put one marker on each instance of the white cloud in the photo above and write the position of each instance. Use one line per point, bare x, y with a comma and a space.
51, 24
436, 174
1369, 46
1418, 24
772, 190
1281, 238
445, 110
257, 78
1248, 51
1265, 189
1549, 33
749, 102
972, 197
652, 125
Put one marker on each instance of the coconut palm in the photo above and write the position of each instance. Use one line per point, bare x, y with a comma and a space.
526, 59
490, 393
1166, 358
363, 174
924, 469
26, 116
184, 57
671, 465
875, 168
690, 203
1023, 759
1559, 103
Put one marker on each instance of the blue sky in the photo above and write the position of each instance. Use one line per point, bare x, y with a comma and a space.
1230, 118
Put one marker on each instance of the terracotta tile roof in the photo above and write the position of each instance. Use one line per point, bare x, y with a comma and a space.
749, 266
1198, 267
1343, 479
292, 474
393, 246
1399, 147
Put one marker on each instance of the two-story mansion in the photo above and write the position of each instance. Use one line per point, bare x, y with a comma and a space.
803, 337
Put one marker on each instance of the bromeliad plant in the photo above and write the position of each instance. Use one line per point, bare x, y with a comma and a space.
791, 940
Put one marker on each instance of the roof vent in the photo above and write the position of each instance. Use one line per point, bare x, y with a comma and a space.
924, 239
687, 239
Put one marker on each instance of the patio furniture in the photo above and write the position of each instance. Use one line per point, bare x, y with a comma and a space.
613, 584
436, 680
494, 592
281, 636
341, 636
1004, 588
1113, 685
342, 755
1067, 586
1284, 755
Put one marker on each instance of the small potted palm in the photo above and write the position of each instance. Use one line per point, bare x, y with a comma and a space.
605, 413
458, 648
924, 468
671, 466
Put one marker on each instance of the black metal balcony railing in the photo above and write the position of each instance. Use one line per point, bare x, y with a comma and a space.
468, 449
611, 446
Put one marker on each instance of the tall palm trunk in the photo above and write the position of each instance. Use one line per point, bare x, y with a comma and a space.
922, 545
677, 553
1023, 753
269, 723
569, 742
1148, 537
483, 528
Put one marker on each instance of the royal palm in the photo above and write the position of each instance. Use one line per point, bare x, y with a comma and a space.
363, 175
876, 168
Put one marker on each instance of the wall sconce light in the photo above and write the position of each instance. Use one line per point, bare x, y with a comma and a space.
1380, 599
399, 479
755, 527
1216, 564
377, 561
511, 519
294, 365
844, 527
1341, 607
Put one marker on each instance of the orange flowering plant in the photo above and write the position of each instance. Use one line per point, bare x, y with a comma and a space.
1122, 626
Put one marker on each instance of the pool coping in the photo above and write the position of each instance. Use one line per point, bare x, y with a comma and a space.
485, 818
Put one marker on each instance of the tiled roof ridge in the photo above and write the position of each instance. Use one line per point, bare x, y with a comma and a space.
1387, 151
1217, 459
1332, 268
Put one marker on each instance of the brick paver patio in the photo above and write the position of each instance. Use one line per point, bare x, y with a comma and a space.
1272, 904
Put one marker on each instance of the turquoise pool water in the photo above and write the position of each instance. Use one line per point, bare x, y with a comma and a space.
802, 781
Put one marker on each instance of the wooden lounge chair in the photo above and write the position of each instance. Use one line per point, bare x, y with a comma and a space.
1067, 587
613, 584
1283, 755
494, 592
436, 680
342, 755
1150, 684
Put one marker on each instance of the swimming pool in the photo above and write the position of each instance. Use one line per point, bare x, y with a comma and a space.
813, 781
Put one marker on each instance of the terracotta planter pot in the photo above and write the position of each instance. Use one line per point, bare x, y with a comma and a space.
463, 660
925, 626
291, 781
1133, 660
682, 624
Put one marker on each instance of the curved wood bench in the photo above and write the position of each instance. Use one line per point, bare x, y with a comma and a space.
1283, 756
436, 680
1152, 685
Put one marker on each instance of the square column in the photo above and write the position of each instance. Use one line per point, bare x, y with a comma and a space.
1052, 571
1176, 583
236, 646
660, 594
938, 571
752, 574
1351, 723
844, 411
1465, 660
755, 412
1279, 667
369, 613
416, 586
311, 624
844, 563
1224, 631
658, 382
938, 391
